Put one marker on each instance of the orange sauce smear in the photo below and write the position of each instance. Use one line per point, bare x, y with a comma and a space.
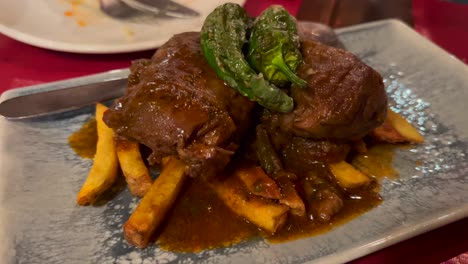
73, 12
81, 23
69, 13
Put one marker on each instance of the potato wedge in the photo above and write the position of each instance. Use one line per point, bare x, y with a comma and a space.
347, 176
264, 213
257, 182
105, 166
152, 209
403, 127
133, 167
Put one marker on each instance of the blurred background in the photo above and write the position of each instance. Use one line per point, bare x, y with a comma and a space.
442, 21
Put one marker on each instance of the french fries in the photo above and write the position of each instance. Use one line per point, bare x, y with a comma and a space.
290, 197
257, 182
250, 193
387, 133
260, 184
134, 169
347, 176
396, 129
105, 166
152, 209
403, 127
264, 213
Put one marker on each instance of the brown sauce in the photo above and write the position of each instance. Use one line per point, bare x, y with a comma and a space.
199, 220
377, 162
301, 227
83, 142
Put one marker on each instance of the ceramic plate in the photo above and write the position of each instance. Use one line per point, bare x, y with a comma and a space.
79, 26
40, 175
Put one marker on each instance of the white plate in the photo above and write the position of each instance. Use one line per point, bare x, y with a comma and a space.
40, 175
44, 23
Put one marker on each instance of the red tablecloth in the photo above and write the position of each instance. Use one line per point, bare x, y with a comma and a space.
23, 65
445, 23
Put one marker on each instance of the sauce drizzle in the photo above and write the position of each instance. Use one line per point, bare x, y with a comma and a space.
377, 162
84, 141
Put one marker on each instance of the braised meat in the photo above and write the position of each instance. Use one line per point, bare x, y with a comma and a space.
301, 154
323, 199
343, 101
176, 105
344, 98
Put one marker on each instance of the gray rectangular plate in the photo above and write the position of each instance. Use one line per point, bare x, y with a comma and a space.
40, 175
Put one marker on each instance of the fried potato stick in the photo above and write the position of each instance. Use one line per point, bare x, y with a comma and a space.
133, 167
264, 213
257, 182
104, 170
290, 197
387, 133
396, 129
347, 176
404, 128
152, 209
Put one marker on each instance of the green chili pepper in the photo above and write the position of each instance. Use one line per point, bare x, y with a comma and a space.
223, 35
266, 153
274, 47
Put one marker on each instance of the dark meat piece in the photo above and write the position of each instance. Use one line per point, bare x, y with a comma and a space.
344, 99
323, 199
301, 155
176, 105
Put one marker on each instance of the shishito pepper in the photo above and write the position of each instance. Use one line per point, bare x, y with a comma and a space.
274, 47
223, 35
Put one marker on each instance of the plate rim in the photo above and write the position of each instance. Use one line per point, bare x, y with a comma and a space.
401, 26
63, 46
77, 48
398, 235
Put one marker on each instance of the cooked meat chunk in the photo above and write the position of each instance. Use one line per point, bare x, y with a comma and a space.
343, 101
300, 154
176, 105
344, 98
323, 199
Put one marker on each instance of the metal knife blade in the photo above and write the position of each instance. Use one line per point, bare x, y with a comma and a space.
61, 100
163, 7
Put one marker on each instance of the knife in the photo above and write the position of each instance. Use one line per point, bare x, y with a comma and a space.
165, 7
63, 99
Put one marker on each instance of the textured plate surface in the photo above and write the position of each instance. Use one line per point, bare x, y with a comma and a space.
85, 29
40, 175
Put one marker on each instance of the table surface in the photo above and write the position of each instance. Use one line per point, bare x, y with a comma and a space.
23, 65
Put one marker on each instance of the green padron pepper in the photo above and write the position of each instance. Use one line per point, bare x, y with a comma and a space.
274, 48
223, 35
